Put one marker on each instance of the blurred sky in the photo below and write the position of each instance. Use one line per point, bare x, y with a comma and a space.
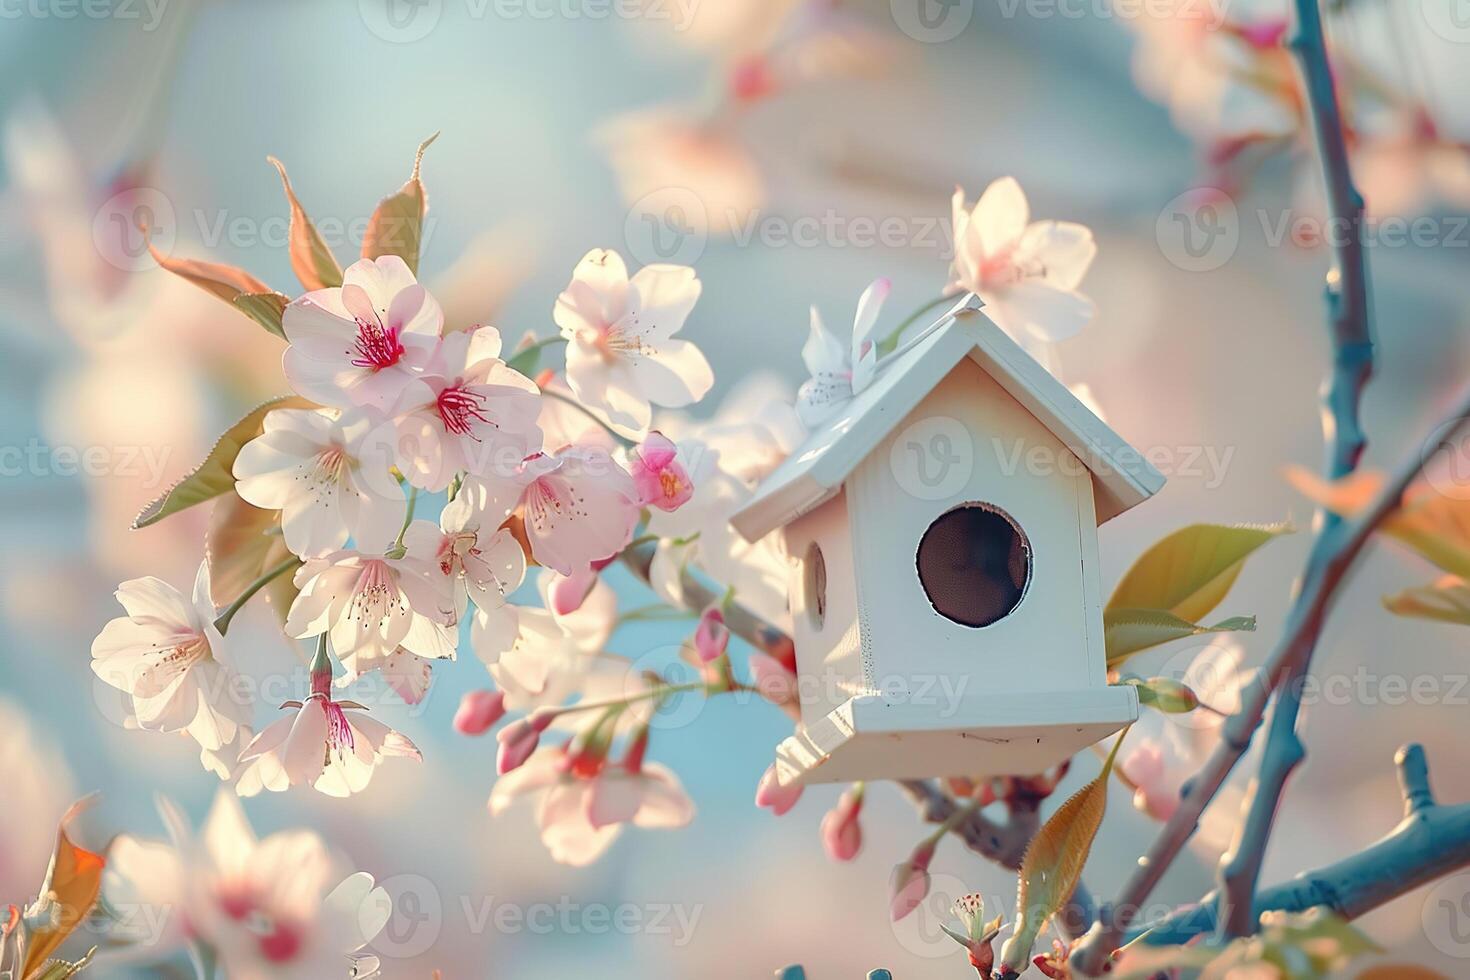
1227, 360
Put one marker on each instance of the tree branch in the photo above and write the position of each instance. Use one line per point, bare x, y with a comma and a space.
1432, 840
1334, 551
1352, 364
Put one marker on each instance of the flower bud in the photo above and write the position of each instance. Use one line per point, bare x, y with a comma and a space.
842, 834
711, 636
773, 680
478, 711
519, 739
909, 883
771, 795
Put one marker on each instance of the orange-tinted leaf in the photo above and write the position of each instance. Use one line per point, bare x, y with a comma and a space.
1053, 863
266, 309
397, 225
1447, 600
224, 281
72, 884
241, 543
311, 259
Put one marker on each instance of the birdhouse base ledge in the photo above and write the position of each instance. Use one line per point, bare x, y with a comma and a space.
995, 734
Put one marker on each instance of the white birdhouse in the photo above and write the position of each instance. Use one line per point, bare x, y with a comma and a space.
942, 533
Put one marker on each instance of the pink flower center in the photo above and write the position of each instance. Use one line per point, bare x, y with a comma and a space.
281, 944
339, 733
454, 549
377, 346
460, 408
376, 594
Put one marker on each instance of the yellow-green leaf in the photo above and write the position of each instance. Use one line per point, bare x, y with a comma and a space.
1053, 863
1164, 694
311, 259
265, 309
1127, 631
213, 476
1447, 601
1189, 572
67, 895
397, 225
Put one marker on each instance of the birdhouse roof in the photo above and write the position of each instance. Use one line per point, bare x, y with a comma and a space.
816, 470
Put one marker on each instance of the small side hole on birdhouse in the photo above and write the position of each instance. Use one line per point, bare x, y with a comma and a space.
816, 586
974, 563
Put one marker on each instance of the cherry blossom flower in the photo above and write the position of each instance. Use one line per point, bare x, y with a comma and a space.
590, 625
372, 605
264, 907
566, 593
1026, 272
580, 814
660, 477
538, 658
711, 636
479, 711
842, 835
520, 738
360, 343
408, 674
467, 413
308, 465
482, 560
1156, 790
168, 656
838, 371
622, 355
580, 507
321, 745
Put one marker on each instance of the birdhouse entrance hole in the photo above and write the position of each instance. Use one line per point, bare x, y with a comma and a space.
974, 564
816, 586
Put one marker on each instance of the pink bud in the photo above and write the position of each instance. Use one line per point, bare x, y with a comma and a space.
771, 795
661, 480
519, 739
842, 835
478, 710
566, 593
907, 887
776, 683
712, 636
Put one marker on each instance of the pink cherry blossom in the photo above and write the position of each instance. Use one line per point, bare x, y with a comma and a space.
479, 711
661, 479
360, 343
580, 507
622, 356
466, 413
1026, 272
566, 593
167, 655
839, 371
372, 605
842, 835
321, 745
711, 636
771, 795
314, 467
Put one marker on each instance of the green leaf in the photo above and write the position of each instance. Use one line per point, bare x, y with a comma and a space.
311, 259
265, 309
396, 227
1053, 863
526, 361
1127, 631
1189, 572
213, 476
1164, 694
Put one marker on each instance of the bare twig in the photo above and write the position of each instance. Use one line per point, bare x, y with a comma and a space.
1334, 552
1432, 840
1352, 363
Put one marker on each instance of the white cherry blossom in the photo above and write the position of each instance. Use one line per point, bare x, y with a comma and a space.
839, 371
